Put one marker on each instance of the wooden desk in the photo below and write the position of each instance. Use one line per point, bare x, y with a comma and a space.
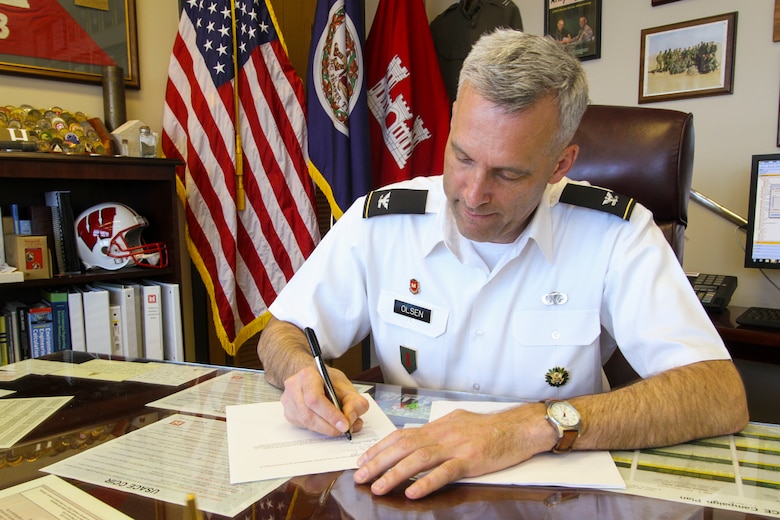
749, 343
103, 410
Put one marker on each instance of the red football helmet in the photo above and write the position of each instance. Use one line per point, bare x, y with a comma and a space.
108, 235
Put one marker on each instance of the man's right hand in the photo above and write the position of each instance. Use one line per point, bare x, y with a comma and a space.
307, 405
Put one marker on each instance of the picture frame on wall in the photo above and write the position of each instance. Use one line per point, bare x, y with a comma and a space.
661, 2
70, 40
688, 59
576, 25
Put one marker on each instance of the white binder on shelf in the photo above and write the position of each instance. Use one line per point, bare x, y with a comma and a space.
117, 340
173, 334
151, 307
124, 296
78, 338
97, 320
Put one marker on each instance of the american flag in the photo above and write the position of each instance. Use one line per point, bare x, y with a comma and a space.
245, 257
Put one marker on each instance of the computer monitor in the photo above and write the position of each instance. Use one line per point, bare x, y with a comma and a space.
762, 248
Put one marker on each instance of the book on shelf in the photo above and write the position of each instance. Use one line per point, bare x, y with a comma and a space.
6, 351
64, 234
58, 301
11, 276
3, 231
19, 312
173, 335
12, 328
41, 329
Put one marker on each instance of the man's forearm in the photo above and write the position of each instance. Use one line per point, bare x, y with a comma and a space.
283, 351
703, 399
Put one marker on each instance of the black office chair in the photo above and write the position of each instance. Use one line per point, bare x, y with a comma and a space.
645, 153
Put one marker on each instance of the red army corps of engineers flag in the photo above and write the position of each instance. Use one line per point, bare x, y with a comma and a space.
244, 256
409, 121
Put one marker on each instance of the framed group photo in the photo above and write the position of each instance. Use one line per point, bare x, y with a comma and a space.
688, 59
576, 25
70, 40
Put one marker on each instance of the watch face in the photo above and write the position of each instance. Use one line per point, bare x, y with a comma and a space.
564, 413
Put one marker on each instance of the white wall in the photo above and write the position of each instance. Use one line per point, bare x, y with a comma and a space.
729, 128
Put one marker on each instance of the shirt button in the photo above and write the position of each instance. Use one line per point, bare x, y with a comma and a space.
476, 387
555, 334
480, 333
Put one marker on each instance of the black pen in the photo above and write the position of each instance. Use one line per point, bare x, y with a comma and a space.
311, 337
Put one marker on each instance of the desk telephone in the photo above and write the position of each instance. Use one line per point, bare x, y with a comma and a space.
714, 290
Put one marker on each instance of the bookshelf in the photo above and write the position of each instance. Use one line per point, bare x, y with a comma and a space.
148, 185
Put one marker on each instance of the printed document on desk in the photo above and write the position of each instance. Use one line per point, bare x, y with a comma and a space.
262, 444
50, 497
582, 469
166, 461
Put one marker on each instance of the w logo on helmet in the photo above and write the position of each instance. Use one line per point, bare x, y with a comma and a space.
97, 225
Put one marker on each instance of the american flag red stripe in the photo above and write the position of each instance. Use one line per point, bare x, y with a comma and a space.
244, 257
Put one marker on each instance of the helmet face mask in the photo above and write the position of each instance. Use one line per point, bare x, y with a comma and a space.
109, 236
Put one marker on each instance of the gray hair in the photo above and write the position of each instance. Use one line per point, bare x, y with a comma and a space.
515, 70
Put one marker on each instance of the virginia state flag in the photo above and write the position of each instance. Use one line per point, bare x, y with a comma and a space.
409, 121
339, 146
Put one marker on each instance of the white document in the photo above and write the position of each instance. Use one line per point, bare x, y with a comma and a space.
582, 469
51, 498
262, 444
166, 461
213, 396
22, 415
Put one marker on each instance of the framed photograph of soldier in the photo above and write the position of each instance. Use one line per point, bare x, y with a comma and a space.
688, 59
70, 40
576, 25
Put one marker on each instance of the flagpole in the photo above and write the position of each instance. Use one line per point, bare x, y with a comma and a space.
240, 196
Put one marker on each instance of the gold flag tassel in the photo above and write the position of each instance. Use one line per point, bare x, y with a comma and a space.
240, 195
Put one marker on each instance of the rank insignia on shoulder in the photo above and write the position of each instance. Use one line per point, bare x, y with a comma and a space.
601, 199
400, 201
557, 376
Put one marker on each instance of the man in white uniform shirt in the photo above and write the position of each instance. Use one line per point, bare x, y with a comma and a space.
501, 277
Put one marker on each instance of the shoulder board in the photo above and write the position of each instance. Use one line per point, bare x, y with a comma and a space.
398, 201
601, 199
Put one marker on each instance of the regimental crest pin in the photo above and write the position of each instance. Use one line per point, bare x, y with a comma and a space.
414, 286
557, 376
409, 359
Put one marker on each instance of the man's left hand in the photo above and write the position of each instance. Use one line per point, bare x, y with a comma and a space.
460, 444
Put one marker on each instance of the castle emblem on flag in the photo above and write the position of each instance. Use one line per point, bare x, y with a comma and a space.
405, 130
338, 68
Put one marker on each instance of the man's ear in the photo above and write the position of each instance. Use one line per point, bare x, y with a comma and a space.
565, 162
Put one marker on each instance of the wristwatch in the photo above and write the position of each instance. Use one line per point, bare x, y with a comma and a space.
566, 421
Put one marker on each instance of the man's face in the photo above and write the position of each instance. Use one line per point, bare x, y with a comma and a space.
497, 165
560, 25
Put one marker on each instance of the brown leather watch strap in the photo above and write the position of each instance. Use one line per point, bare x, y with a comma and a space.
566, 442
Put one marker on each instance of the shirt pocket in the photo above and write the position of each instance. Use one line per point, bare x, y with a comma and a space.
412, 314
556, 327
